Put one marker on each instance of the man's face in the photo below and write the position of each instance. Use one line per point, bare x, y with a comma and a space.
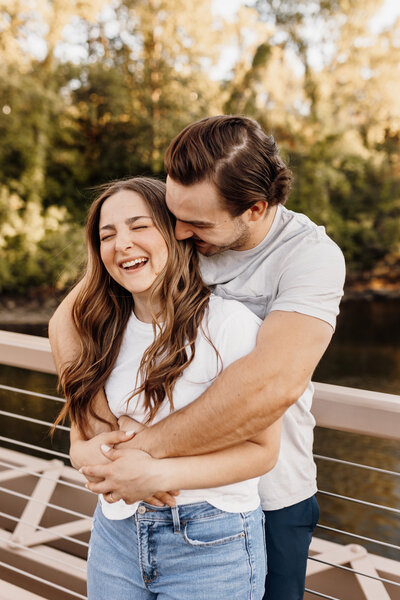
200, 215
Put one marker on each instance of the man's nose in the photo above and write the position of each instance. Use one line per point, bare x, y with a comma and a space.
182, 231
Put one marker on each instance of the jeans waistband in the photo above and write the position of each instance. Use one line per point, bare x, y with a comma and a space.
177, 514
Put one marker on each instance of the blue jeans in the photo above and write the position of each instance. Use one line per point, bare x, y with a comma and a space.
288, 535
192, 551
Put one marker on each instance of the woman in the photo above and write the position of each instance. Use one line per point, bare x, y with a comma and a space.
154, 337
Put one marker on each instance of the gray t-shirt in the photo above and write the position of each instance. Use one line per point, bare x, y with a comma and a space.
296, 268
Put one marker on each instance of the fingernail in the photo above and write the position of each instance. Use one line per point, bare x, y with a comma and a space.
128, 433
80, 470
105, 448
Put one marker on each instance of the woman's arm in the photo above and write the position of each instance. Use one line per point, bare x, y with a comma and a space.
86, 450
132, 470
252, 458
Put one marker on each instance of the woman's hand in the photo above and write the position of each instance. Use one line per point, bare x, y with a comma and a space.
132, 475
126, 423
88, 452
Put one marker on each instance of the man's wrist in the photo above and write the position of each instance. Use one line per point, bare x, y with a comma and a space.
146, 441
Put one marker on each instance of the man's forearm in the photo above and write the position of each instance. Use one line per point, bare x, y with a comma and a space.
207, 425
65, 347
64, 339
249, 395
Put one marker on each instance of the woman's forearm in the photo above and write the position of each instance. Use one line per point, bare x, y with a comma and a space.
249, 459
84, 449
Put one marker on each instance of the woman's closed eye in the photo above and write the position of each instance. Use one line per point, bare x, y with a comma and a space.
107, 237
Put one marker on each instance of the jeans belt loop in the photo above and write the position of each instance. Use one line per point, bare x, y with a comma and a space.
175, 519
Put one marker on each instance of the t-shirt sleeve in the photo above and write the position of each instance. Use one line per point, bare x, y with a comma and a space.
312, 282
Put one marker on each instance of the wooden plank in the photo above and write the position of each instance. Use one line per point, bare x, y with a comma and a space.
50, 558
358, 411
10, 475
340, 555
8, 590
373, 590
33, 511
52, 533
26, 351
19, 459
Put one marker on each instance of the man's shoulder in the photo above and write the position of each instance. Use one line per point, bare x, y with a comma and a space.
294, 225
298, 237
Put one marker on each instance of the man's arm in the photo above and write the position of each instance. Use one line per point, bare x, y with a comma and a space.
65, 346
249, 459
64, 340
246, 398
249, 395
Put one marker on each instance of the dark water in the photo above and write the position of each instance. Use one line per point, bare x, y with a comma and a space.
364, 353
365, 350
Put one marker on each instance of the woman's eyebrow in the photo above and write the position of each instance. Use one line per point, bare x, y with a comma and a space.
127, 221
133, 219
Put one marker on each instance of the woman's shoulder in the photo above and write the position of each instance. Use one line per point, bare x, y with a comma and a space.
231, 327
222, 310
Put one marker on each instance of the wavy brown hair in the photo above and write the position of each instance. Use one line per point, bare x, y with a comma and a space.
102, 309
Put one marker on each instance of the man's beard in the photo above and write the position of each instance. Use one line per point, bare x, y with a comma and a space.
241, 239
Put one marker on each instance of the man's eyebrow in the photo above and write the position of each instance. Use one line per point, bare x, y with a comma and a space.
127, 221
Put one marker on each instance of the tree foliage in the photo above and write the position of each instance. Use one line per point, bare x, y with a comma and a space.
92, 90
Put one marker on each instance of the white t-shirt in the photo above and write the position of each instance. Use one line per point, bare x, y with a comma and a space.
233, 330
296, 268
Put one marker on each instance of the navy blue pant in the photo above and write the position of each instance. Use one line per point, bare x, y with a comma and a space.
288, 537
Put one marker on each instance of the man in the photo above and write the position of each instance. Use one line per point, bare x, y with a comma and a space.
226, 186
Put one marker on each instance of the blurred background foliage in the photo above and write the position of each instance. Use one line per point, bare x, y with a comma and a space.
92, 90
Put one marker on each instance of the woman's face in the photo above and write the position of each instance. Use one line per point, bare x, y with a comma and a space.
131, 247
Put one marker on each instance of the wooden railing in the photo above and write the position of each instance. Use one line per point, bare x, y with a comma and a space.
350, 571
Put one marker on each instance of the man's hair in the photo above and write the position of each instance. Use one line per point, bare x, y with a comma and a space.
235, 154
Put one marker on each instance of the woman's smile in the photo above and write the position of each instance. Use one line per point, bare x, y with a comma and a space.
131, 247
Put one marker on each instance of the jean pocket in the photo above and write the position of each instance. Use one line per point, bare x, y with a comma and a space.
221, 529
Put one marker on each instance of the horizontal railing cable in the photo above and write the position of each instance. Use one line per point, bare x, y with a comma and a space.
51, 559
41, 580
33, 447
32, 420
30, 393
41, 476
363, 502
55, 506
60, 536
359, 465
358, 536
320, 594
354, 571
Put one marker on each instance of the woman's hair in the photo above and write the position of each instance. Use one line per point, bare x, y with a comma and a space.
233, 153
102, 309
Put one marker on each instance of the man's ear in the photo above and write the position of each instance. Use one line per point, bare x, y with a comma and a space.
258, 210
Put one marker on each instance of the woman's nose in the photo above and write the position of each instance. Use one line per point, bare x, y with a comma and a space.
123, 241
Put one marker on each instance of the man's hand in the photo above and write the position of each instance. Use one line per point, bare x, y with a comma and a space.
132, 475
126, 423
